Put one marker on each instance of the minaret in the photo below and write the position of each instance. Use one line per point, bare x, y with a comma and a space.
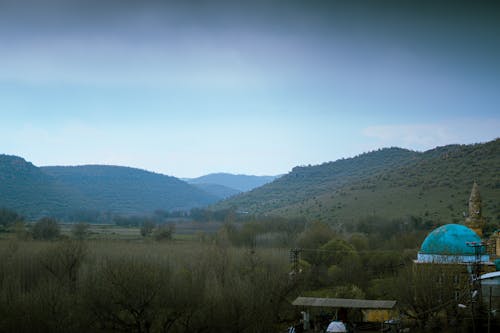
475, 219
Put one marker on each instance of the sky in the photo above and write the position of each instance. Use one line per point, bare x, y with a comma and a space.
187, 88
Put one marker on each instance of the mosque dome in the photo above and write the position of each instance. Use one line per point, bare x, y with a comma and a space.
448, 244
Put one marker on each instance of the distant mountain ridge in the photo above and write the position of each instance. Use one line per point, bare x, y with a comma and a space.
241, 183
220, 191
61, 191
390, 182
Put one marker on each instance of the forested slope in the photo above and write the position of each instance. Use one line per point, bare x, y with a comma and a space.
129, 190
27, 190
70, 192
389, 183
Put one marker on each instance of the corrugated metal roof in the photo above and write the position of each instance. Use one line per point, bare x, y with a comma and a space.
344, 303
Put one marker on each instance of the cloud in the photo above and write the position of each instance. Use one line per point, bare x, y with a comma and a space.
415, 136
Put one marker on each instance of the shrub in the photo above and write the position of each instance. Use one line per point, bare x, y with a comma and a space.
46, 229
164, 232
80, 230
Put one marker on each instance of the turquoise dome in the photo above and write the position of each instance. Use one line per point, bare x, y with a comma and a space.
450, 239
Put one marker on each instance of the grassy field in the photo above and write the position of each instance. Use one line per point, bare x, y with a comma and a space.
185, 231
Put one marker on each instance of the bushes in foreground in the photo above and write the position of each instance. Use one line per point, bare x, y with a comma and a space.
72, 286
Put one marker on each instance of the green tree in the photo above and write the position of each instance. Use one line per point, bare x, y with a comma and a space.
337, 251
315, 235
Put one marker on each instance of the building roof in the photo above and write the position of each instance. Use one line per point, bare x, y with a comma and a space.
491, 275
344, 303
450, 239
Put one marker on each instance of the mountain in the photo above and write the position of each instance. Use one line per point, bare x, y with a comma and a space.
390, 183
66, 192
220, 191
242, 183
128, 190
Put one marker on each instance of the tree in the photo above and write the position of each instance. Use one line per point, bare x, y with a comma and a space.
9, 217
427, 292
315, 235
63, 261
164, 232
46, 228
337, 251
147, 228
128, 295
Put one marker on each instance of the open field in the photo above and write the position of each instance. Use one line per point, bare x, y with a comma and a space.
183, 231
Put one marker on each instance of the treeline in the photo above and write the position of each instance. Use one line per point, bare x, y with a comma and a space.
46, 228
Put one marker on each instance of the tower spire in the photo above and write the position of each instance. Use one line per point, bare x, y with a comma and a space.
475, 219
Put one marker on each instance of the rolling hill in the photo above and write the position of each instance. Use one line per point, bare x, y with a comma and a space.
63, 191
390, 183
128, 190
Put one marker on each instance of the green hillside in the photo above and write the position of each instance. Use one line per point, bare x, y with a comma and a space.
127, 190
303, 183
69, 192
27, 190
389, 183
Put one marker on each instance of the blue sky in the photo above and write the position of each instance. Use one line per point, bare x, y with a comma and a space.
211, 86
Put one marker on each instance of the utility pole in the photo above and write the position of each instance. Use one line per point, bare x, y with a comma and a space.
489, 310
476, 266
294, 260
476, 277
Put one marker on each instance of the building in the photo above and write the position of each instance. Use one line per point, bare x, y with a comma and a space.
462, 243
458, 255
451, 244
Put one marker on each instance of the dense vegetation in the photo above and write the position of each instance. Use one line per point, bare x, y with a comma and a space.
391, 183
91, 192
71, 286
27, 190
239, 279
